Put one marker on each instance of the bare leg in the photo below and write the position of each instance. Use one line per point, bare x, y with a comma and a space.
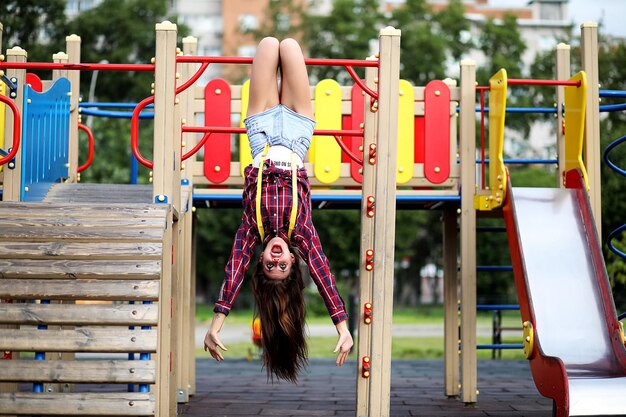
263, 79
295, 91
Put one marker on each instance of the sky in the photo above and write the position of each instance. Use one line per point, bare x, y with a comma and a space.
610, 12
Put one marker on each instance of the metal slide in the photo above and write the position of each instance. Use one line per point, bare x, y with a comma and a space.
577, 357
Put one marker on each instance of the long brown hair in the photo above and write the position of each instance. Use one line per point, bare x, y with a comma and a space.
281, 307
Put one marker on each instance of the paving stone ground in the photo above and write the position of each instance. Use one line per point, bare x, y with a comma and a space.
239, 388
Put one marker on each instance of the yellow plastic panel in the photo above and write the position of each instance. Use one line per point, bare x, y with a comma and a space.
497, 172
245, 157
406, 133
575, 101
325, 152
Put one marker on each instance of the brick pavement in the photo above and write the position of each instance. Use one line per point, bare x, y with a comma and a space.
239, 388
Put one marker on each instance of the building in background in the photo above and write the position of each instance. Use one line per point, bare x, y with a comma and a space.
220, 25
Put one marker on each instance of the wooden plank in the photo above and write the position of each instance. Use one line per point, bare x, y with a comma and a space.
82, 404
30, 221
79, 314
73, 289
99, 193
81, 234
81, 371
82, 339
71, 250
80, 269
90, 210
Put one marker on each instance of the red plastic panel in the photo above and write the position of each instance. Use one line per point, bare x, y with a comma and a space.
419, 140
358, 116
346, 123
437, 132
217, 155
35, 82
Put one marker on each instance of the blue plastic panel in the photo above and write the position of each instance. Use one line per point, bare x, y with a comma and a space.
45, 139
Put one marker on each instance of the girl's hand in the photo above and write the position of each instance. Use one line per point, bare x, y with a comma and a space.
344, 343
212, 341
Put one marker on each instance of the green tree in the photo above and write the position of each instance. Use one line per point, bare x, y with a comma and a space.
346, 33
423, 48
283, 19
38, 26
132, 41
454, 28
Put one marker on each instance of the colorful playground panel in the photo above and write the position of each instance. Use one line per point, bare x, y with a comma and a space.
325, 152
426, 135
217, 113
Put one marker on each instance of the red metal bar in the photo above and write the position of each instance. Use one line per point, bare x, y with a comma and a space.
134, 132
193, 79
80, 67
248, 60
208, 130
482, 138
517, 81
360, 82
347, 151
16, 129
91, 147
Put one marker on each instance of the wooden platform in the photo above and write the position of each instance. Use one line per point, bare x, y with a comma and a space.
81, 277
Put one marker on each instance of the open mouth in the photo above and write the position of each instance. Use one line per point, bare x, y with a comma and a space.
276, 250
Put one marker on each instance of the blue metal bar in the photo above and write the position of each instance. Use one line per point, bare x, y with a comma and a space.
496, 307
145, 357
115, 114
40, 356
134, 169
622, 316
610, 239
112, 105
501, 346
607, 151
333, 198
524, 161
494, 268
612, 107
613, 93
131, 357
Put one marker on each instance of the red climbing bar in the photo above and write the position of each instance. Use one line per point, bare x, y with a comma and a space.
91, 147
517, 81
17, 129
248, 60
81, 67
208, 130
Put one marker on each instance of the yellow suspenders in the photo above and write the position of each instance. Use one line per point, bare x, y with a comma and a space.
294, 195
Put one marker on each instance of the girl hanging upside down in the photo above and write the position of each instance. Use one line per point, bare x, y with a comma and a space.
277, 214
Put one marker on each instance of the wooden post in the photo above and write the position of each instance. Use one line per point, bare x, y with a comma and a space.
450, 302
367, 245
592, 152
187, 341
563, 72
166, 189
467, 122
13, 176
384, 221
73, 57
166, 168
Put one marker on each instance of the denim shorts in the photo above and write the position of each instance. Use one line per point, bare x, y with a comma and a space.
279, 126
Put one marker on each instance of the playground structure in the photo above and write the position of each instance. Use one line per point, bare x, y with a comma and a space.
424, 121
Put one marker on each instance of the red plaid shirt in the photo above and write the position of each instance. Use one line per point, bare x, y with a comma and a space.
275, 212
